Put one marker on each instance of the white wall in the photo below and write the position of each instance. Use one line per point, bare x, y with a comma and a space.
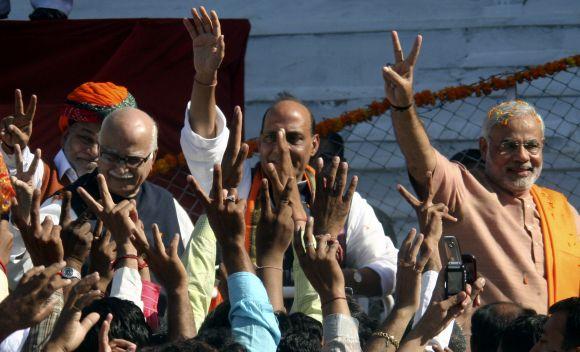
329, 53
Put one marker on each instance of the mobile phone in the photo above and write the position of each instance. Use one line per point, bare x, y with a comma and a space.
470, 267
455, 274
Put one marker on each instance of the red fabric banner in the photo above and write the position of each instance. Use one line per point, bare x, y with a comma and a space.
151, 57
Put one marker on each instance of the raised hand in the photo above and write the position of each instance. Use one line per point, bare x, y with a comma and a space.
208, 44
436, 318
17, 129
275, 229
103, 253
331, 205
409, 269
235, 154
77, 236
29, 303
118, 218
116, 345
318, 261
28, 175
225, 211
278, 175
6, 241
399, 77
23, 183
430, 215
70, 330
164, 262
42, 241
169, 270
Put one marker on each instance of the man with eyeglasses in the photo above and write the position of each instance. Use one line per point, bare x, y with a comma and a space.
79, 122
525, 237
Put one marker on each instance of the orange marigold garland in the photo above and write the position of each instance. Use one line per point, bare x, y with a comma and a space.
423, 98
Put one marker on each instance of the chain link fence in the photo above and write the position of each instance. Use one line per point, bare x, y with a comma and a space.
453, 127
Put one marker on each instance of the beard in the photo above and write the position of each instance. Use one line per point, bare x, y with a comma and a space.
515, 183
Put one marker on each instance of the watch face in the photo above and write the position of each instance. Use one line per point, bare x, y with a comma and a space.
67, 272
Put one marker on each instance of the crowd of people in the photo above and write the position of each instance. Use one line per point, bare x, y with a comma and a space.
96, 258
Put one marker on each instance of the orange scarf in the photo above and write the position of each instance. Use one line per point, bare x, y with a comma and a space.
6, 190
561, 245
252, 216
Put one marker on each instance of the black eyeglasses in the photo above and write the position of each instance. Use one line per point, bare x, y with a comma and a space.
114, 158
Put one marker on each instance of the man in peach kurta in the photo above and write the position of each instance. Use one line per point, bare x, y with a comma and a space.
525, 238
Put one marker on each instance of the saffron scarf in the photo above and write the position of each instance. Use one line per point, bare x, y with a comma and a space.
6, 190
561, 245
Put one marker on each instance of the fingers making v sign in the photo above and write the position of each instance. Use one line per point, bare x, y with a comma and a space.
399, 77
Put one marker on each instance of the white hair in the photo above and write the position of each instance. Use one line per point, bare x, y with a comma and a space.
501, 113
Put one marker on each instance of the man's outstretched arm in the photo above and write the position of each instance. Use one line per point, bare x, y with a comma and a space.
409, 129
208, 53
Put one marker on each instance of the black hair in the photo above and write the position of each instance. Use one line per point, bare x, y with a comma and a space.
217, 318
285, 96
300, 333
523, 333
128, 323
189, 345
220, 338
489, 322
570, 306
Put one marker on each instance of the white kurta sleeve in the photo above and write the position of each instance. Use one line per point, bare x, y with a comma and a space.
428, 285
184, 222
367, 246
127, 285
202, 153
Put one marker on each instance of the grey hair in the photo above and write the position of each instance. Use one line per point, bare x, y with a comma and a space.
501, 113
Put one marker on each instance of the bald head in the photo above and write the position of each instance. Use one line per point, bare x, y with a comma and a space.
131, 125
289, 105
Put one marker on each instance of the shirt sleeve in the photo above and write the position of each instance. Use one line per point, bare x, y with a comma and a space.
254, 324
199, 261
428, 284
367, 246
3, 286
306, 299
340, 333
27, 158
448, 181
202, 153
184, 222
127, 285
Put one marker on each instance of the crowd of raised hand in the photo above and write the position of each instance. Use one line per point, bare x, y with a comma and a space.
111, 262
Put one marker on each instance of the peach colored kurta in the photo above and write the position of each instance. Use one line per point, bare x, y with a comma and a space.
502, 231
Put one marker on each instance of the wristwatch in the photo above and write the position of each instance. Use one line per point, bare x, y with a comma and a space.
70, 273
357, 276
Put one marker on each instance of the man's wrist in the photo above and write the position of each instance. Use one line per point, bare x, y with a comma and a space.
206, 79
7, 149
271, 259
74, 263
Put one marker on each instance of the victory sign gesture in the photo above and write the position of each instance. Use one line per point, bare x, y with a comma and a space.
399, 77
16, 129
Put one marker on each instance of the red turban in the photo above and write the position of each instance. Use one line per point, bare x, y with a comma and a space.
92, 102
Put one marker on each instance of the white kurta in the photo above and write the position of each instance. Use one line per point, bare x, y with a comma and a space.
366, 243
